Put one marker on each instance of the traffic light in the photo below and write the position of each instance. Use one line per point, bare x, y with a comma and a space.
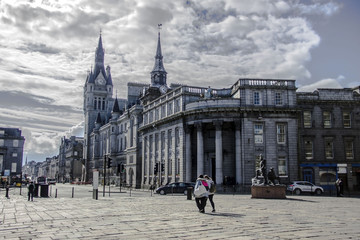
109, 162
162, 167
122, 168
156, 168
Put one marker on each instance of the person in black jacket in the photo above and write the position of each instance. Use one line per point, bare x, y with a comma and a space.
31, 189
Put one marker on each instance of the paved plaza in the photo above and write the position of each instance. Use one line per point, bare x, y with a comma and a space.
142, 215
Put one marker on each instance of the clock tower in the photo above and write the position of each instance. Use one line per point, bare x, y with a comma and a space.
158, 84
98, 101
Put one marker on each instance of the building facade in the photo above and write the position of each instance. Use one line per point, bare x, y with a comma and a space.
11, 153
70, 160
329, 137
174, 133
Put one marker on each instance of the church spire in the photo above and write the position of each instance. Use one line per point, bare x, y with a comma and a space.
99, 60
158, 74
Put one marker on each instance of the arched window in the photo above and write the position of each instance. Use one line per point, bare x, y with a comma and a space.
95, 101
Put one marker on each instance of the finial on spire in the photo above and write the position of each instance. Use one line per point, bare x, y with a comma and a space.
159, 26
100, 31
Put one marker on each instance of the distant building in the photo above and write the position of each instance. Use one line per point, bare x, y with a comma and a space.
70, 160
30, 170
11, 153
329, 137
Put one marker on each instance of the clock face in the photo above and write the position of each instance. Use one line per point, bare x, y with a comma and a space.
163, 89
100, 81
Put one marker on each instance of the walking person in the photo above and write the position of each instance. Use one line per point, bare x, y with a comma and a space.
31, 189
201, 193
212, 190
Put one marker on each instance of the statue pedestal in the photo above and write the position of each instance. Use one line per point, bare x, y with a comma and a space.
266, 191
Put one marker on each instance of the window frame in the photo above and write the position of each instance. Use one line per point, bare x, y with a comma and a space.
327, 119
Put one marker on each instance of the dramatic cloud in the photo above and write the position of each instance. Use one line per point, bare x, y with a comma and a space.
47, 47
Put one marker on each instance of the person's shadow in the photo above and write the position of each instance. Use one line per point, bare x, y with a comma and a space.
223, 214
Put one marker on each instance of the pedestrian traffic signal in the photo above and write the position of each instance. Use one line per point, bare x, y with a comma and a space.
109, 162
122, 168
162, 167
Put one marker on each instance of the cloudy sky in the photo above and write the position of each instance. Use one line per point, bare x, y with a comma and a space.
47, 47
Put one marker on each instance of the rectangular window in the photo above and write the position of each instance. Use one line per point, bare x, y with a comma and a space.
2, 132
157, 110
282, 168
256, 98
177, 105
1, 162
151, 116
347, 119
13, 167
16, 143
163, 110
14, 154
278, 99
308, 147
170, 108
349, 151
329, 154
307, 119
281, 133
327, 119
258, 133
1, 142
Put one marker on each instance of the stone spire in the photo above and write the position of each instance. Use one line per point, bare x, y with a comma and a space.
99, 60
158, 74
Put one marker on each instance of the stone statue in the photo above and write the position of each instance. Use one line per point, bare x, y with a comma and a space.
208, 93
263, 169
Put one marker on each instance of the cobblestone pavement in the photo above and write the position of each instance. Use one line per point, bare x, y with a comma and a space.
146, 216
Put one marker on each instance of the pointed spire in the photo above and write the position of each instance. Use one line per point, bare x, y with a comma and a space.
158, 74
99, 60
159, 66
116, 108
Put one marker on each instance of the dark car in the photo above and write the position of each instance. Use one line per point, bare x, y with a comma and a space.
177, 187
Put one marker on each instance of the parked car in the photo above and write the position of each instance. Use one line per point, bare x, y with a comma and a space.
177, 187
298, 187
51, 181
41, 180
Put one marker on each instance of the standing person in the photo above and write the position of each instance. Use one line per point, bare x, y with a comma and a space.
201, 193
212, 190
31, 189
341, 187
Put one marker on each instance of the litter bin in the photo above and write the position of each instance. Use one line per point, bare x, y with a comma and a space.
189, 193
36, 190
44, 190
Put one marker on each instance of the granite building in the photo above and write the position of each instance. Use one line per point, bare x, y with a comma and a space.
174, 133
11, 153
329, 137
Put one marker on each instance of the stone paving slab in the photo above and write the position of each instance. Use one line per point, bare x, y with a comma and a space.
142, 216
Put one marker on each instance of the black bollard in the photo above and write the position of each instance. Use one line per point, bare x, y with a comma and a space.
189, 193
7, 191
56, 193
72, 195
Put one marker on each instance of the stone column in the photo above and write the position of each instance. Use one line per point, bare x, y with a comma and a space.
188, 154
200, 149
238, 152
166, 156
218, 152
173, 155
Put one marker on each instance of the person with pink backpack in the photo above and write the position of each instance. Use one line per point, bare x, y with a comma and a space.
201, 193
